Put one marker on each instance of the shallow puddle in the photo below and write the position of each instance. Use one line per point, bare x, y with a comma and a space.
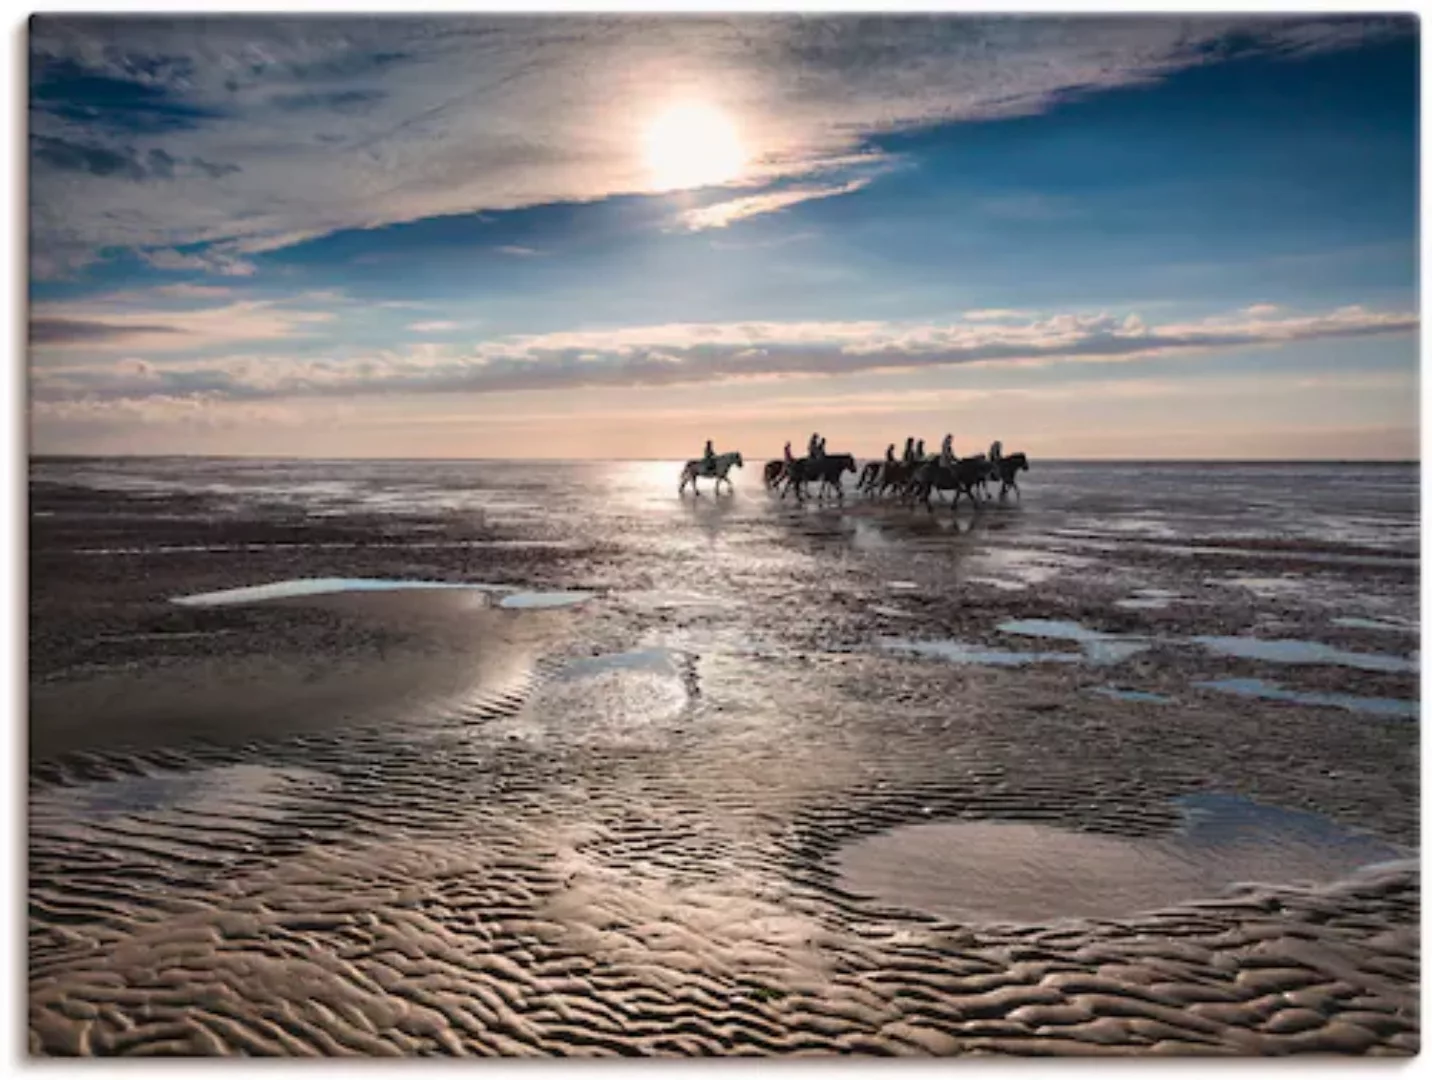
615, 697
285, 590
1012, 872
1130, 695
1273, 692
959, 652
1099, 647
301, 587
1292, 651
530, 600
232, 790
1358, 623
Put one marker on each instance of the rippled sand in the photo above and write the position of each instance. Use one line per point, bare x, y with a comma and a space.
397, 824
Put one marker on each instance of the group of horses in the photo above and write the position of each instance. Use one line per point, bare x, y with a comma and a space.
908, 481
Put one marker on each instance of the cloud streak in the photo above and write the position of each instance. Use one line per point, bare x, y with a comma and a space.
693, 353
722, 214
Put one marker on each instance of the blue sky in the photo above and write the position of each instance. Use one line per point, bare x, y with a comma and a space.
615, 237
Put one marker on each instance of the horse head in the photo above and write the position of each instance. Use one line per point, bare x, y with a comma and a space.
739, 463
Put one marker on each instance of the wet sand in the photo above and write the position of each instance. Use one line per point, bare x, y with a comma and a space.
419, 823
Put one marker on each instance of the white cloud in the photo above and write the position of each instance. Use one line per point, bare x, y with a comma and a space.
722, 214
516, 249
288, 128
435, 326
110, 324
696, 352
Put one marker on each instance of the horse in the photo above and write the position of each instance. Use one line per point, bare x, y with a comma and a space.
828, 469
868, 476
719, 469
1007, 468
960, 478
775, 472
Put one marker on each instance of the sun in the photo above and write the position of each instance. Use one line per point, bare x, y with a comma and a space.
692, 145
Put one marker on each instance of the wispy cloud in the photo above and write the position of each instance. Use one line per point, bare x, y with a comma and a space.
164, 135
516, 249
434, 326
216, 260
110, 325
694, 352
722, 214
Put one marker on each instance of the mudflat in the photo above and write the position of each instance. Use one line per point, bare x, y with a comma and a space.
1098, 771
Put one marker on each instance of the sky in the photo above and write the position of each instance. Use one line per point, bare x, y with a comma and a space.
619, 236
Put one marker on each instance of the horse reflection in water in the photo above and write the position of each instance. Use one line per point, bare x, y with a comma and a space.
717, 469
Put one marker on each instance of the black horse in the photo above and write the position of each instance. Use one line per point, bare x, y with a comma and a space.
960, 478
1007, 468
828, 469
775, 472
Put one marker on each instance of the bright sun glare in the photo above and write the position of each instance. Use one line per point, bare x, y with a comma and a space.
693, 145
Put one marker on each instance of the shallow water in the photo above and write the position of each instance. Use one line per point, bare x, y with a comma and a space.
530, 600
285, 590
1131, 695
1353, 703
960, 653
1292, 651
1006, 871
1099, 647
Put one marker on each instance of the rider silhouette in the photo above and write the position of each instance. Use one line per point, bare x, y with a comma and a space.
920, 450
890, 454
820, 450
814, 446
909, 455
708, 458
996, 451
789, 456
947, 451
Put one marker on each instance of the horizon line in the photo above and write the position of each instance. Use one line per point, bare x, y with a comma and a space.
1141, 460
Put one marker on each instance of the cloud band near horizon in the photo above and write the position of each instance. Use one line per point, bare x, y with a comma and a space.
676, 354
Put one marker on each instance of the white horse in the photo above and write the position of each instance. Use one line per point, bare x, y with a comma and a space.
719, 468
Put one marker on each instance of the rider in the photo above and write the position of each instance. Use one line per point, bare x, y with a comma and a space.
789, 456
920, 450
996, 451
909, 454
890, 454
947, 451
708, 457
813, 447
820, 450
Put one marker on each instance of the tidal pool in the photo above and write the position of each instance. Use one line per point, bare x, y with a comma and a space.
1015, 872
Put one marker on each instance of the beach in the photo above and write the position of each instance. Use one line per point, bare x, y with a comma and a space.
539, 758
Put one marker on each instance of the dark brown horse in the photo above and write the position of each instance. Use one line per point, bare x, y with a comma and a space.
775, 472
1007, 468
828, 469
